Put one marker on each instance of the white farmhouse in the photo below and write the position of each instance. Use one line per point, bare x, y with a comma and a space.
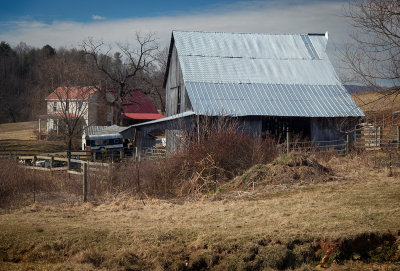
85, 103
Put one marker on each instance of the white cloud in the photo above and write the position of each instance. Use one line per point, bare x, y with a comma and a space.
256, 16
98, 17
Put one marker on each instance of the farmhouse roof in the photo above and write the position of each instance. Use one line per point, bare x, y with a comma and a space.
74, 93
241, 74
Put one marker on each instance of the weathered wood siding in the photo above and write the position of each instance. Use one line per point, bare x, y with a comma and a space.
326, 129
175, 81
251, 125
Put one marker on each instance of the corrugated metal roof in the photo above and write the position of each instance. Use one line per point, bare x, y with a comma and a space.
261, 74
268, 71
173, 117
102, 130
247, 45
271, 100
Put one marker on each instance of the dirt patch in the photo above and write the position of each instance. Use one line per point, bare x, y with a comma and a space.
367, 247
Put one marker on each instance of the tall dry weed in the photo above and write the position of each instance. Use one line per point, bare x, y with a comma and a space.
219, 153
20, 185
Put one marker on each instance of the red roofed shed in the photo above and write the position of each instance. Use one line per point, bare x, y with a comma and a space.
139, 108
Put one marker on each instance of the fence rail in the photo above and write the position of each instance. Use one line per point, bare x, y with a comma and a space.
69, 166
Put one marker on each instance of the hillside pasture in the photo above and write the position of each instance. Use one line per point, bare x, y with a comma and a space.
275, 226
377, 104
23, 136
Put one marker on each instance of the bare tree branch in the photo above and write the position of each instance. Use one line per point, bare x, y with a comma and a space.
125, 68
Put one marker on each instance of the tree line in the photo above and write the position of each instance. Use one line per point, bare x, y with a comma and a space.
29, 74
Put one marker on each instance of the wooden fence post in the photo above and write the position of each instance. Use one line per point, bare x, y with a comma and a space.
398, 137
85, 176
215, 177
347, 143
51, 164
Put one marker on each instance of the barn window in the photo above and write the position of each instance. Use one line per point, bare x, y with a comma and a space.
178, 104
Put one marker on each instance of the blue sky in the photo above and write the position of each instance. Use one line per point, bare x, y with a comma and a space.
83, 11
67, 23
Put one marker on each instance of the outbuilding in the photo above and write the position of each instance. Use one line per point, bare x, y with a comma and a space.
272, 83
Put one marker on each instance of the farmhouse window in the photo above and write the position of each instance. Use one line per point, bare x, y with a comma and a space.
55, 107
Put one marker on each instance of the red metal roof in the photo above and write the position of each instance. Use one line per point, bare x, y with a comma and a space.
138, 102
79, 93
143, 116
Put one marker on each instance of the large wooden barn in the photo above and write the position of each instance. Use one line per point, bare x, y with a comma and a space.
270, 83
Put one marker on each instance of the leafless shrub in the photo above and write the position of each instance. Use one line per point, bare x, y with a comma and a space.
19, 185
217, 153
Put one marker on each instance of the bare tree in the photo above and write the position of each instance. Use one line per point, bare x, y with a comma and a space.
373, 55
69, 101
124, 69
154, 80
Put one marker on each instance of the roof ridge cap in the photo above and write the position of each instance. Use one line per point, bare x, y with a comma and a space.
251, 33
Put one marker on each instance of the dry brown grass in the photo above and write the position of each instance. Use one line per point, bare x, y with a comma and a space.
19, 186
255, 231
20, 130
23, 136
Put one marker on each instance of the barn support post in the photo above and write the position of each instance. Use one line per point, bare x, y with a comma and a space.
355, 136
287, 141
84, 181
347, 144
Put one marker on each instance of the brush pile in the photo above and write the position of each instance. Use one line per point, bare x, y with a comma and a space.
295, 168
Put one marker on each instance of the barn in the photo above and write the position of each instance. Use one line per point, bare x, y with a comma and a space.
272, 83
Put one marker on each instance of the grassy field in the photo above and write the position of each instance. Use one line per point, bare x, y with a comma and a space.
20, 130
376, 104
22, 136
272, 227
